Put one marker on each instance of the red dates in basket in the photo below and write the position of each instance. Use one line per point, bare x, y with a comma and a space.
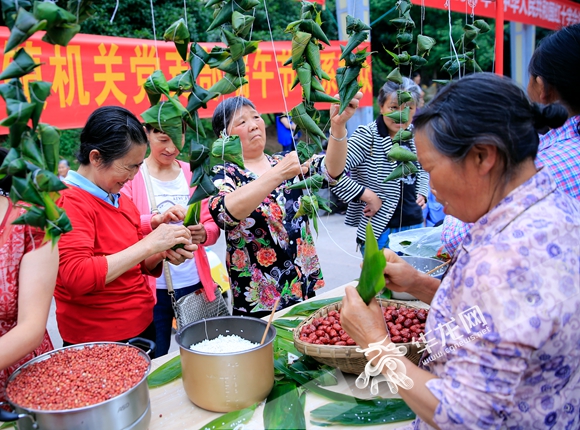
404, 325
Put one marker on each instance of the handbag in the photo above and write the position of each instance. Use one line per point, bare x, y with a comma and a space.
193, 306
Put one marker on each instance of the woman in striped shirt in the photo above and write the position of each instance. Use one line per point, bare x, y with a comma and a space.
393, 206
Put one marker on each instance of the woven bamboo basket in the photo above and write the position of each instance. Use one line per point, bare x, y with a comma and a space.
346, 358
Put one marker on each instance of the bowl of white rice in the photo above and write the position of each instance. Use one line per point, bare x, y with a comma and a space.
224, 366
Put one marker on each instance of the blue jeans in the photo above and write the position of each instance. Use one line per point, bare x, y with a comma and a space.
163, 316
384, 237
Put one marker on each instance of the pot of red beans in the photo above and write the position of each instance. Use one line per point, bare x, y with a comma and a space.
97, 385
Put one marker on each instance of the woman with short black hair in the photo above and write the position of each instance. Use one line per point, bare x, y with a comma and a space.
501, 338
101, 293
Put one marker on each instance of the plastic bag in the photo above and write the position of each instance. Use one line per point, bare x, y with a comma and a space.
419, 242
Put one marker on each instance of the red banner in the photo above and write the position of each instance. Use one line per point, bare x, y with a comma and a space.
94, 71
552, 14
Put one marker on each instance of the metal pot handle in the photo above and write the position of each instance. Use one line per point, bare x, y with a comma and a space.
136, 340
6, 416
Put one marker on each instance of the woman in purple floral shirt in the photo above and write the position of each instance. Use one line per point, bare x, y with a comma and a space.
270, 254
502, 337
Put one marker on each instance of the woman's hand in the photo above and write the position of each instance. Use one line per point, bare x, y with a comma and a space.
364, 324
373, 202
289, 167
421, 201
180, 254
166, 236
340, 120
173, 214
198, 233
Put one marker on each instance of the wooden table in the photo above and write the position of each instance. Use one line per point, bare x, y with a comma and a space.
172, 409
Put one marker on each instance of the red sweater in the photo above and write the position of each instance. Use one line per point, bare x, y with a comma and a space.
87, 309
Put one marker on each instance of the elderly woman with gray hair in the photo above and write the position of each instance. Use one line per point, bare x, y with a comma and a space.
392, 206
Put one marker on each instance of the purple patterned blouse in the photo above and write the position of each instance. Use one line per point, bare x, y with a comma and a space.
504, 328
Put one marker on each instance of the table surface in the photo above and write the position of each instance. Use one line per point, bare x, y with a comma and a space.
172, 409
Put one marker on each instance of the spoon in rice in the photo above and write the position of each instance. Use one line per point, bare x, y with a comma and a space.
270, 320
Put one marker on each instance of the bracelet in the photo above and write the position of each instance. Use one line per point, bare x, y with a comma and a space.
342, 138
389, 369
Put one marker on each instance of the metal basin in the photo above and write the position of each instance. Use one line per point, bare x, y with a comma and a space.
128, 410
231, 381
422, 264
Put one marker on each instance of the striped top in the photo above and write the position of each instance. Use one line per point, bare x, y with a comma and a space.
367, 163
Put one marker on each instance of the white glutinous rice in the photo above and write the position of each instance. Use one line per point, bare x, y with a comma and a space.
223, 345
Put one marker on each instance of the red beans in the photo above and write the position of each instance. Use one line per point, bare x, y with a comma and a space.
75, 378
404, 325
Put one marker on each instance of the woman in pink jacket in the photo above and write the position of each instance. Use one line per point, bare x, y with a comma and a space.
170, 179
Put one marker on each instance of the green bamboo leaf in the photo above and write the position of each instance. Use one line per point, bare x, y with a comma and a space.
167, 118
193, 215
178, 34
30, 151
283, 408
403, 97
8, 425
349, 75
310, 306
241, 24
316, 85
18, 112
23, 190
305, 122
198, 58
366, 412
286, 324
402, 135
181, 83
229, 148
231, 420
398, 153
300, 42
12, 90
482, 25
307, 150
199, 97
39, 92
49, 137
155, 86
372, 277
10, 10
304, 74
309, 26
399, 116
13, 164
395, 76
312, 55
205, 189
424, 44
320, 97
238, 46
353, 41
347, 95
354, 25
198, 155
228, 84
24, 27
404, 39
47, 181
33, 216
417, 61
313, 183
225, 13
61, 25
166, 373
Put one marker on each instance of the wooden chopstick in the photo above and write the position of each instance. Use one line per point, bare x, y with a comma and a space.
270, 320
437, 268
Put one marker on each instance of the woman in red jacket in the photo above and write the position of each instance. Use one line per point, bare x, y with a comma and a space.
170, 179
101, 291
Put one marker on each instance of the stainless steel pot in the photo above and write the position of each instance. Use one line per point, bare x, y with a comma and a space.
232, 381
422, 264
129, 410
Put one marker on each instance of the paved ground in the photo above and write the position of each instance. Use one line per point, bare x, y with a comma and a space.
339, 266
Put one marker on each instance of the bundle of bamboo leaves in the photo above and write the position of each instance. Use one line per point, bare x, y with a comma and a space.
33, 157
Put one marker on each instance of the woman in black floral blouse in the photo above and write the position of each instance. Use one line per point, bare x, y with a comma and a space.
270, 254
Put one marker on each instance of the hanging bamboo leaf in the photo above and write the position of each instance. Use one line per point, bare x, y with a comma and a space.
399, 116
316, 85
47, 181
424, 44
12, 164
320, 97
166, 118
12, 90
402, 135
372, 276
301, 118
417, 61
198, 58
225, 13
405, 21
155, 86
199, 97
39, 92
33, 216
403, 97
238, 46
310, 306
300, 41
166, 373
24, 27
398, 153
395, 76
198, 154
481, 25
355, 25
50, 142
304, 74
10, 10
18, 112
366, 412
205, 189
229, 148
21, 65
309, 26
182, 83
404, 169
232, 420
56, 227
348, 95
283, 408
403, 7
178, 34
31, 151
404, 39
313, 183
61, 25
241, 24
21, 190
353, 41
312, 55
403, 58
193, 121
228, 84
307, 150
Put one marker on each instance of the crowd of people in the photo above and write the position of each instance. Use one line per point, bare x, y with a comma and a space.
514, 237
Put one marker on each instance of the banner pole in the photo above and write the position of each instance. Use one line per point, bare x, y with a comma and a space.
499, 36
